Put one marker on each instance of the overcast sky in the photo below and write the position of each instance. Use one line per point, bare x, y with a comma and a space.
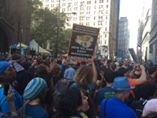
133, 10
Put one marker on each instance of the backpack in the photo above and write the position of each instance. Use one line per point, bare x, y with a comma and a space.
103, 108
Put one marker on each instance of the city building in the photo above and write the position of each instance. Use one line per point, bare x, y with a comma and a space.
146, 36
153, 33
123, 38
144, 32
103, 14
15, 19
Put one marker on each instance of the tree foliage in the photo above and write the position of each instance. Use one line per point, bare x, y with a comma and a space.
48, 25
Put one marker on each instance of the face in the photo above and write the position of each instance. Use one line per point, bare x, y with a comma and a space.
85, 106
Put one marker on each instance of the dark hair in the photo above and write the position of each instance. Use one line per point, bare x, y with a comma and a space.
152, 69
109, 75
67, 102
151, 115
145, 91
122, 71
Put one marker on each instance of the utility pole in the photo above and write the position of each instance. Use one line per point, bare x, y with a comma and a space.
58, 31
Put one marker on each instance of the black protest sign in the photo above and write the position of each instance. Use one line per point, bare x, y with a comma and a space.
83, 41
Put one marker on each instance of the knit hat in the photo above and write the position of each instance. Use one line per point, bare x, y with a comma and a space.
34, 88
3, 66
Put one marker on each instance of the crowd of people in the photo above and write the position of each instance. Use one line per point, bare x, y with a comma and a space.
44, 87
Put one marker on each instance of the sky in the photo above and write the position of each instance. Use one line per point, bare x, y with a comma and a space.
133, 10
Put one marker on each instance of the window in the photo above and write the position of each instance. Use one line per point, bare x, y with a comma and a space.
47, 0
82, 8
81, 23
88, 2
81, 13
75, 18
105, 35
106, 17
63, 9
63, 4
81, 18
69, 8
100, 6
52, 0
76, 3
100, 11
52, 5
101, 1
75, 8
94, 18
106, 11
105, 28
69, 4
106, 6
99, 22
88, 13
88, 7
88, 23
100, 17
87, 18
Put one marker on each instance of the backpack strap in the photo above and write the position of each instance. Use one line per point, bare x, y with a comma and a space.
103, 108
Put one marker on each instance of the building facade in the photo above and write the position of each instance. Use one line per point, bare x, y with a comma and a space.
123, 37
146, 36
153, 33
15, 19
101, 14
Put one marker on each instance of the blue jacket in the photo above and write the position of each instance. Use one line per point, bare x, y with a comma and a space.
116, 108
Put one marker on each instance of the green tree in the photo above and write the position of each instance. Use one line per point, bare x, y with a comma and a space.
48, 26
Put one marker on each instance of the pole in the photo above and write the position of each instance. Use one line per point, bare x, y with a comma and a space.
58, 31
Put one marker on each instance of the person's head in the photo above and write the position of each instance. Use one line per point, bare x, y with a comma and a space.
69, 102
7, 73
35, 89
109, 76
84, 75
122, 87
126, 62
145, 91
123, 72
150, 107
56, 68
152, 71
41, 71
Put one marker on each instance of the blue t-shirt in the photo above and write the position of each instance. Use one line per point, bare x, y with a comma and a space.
35, 111
69, 73
116, 108
4, 106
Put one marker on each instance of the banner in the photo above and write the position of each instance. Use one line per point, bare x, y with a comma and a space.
133, 55
83, 41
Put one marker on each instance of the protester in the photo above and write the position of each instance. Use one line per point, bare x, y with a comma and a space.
34, 93
107, 91
150, 107
115, 107
71, 103
69, 72
7, 76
